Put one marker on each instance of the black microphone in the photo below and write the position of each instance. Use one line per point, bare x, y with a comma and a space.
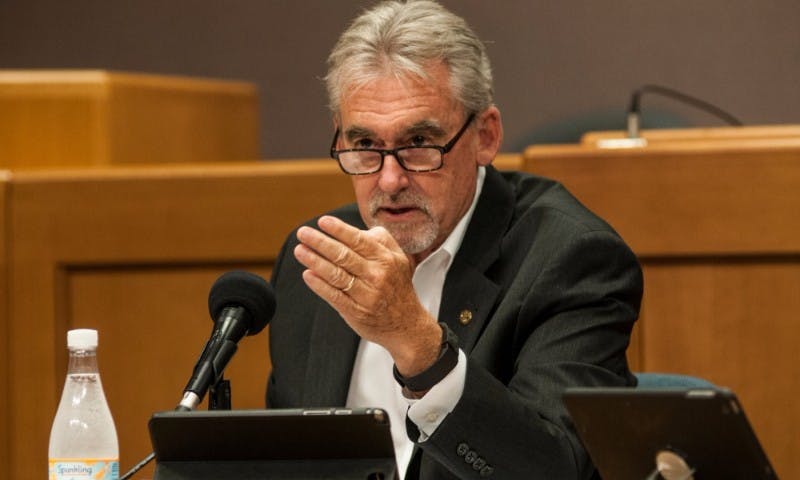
240, 303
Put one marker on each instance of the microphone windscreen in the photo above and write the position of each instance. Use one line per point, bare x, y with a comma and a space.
245, 289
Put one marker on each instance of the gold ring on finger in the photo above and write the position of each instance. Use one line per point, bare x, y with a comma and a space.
349, 284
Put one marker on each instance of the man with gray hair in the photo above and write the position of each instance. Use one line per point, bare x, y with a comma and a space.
461, 300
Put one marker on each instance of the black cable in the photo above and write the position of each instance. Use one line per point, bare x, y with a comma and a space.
149, 458
672, 93
138, 466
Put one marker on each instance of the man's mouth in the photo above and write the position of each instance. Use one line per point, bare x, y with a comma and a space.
397, 210
398, 213
402, 208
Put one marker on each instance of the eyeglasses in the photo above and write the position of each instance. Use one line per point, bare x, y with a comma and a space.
417, 158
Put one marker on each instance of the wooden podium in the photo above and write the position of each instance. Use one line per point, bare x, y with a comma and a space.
714, 220
94, 117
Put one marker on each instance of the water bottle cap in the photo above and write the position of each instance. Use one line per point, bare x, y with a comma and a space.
82, 338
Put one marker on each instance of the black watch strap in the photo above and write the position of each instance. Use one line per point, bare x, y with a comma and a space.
447, 361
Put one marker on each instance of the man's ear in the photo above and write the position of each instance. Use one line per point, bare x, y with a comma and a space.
490, 135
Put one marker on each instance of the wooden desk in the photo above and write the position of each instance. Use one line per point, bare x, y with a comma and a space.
716, 228
677, 136
133, 251
95, 117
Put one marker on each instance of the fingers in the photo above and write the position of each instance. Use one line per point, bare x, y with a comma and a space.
335, 297
366, 243
336, 276
358, 264
344, 247
366, 277
383, 237
349, 284
321, 287
331, 260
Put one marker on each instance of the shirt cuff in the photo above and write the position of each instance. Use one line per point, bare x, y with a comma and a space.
429, 412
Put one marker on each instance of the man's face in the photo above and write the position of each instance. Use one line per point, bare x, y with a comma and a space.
418, 209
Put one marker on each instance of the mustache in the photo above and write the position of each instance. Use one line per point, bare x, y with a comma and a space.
404, 198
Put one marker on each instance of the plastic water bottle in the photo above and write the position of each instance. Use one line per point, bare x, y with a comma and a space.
83, 440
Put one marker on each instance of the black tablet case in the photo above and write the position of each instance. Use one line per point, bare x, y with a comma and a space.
624, 428
339, 444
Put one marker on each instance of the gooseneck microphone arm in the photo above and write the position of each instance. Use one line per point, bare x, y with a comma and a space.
228, 330
240, 303
635, 112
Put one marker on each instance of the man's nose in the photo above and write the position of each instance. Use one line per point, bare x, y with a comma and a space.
393, 177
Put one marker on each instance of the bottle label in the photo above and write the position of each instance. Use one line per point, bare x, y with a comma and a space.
82, 469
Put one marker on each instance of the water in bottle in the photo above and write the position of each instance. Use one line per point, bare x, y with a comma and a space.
83, 440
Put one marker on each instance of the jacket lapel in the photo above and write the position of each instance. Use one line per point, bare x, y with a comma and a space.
469, 295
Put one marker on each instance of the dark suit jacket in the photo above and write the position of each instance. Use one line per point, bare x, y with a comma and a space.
553, 293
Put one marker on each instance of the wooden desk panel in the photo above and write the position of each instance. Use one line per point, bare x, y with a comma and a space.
133, 251
153, 322
687, 199
736, 323
95, 117
716, 228
669, 136
5, 311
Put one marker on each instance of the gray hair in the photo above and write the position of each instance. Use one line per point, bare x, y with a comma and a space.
403, 38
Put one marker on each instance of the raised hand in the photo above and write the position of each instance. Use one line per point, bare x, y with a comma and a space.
366, 277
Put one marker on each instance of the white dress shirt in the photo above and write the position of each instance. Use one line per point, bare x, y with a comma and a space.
372, 383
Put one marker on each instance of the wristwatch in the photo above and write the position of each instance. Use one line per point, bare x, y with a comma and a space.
444, 364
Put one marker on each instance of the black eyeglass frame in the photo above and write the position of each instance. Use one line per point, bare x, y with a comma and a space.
443, 149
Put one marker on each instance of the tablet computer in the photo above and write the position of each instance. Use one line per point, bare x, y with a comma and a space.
638, 434
334, 443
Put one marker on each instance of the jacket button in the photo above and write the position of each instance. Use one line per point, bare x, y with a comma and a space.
478, 464
471, 456
486, 471
462, 449
465, 317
